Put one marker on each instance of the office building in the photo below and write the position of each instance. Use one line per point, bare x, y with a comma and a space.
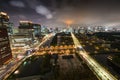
5, 50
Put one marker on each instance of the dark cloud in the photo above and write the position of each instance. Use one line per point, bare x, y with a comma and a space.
81, 11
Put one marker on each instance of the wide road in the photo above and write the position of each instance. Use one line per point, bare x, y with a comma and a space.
99, 71
47, 40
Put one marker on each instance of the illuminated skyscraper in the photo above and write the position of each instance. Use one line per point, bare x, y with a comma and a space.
5, 50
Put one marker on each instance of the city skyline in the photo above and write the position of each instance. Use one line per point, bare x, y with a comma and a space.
59, 39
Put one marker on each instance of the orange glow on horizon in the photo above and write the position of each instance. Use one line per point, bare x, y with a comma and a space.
68, 22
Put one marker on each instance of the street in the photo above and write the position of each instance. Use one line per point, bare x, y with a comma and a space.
100, 71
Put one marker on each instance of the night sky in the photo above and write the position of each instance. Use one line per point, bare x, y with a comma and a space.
54, 13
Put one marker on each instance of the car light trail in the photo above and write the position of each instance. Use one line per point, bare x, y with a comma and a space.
6, 74
99, 71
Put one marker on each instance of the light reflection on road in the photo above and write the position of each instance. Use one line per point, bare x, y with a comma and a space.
100, 71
